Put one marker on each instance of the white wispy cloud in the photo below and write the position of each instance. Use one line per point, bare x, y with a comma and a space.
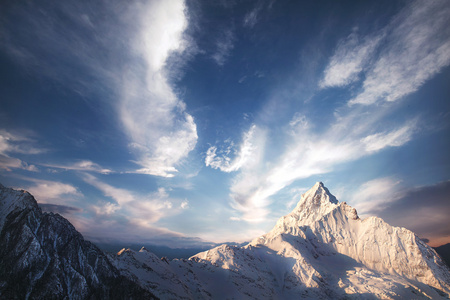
251, 18
8, 163
105, 229
350, 58
33, 40
299, 122
394, 138
253, 187
21, 143
161, 132
47, 191
308, 153
143, 210
82, 165
12, 143
417, 47
184, 204
128, 55
374, 195
224, 46
397, 60
223, 160
413, 47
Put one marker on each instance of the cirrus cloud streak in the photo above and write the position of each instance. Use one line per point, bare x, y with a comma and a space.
410, 50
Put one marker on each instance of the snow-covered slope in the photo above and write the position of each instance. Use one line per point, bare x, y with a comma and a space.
321, 250
42, 256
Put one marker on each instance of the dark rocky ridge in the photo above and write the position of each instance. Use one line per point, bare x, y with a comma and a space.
42, 256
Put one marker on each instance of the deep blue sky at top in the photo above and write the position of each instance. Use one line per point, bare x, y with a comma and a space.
178, 122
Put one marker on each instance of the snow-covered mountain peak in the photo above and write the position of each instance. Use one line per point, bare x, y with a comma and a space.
12, 200
317, 195
313, 205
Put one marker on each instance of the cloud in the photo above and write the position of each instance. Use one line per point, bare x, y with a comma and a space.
82, 165
251, 18
349, 59
22, 143
59, 209
131, 217
424, 210
50, 38
224, 162
132, 55
184, 204
141, 210
394, 138
307, 153
46, 191
106, 229
17, 143
357, 131
252, 188
106, 208
161, 132
168, 148
225, 45
417, 47
7, 163
304, 155
375, 195
397, 60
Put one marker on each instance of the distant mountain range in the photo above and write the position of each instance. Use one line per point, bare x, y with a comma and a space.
321, 250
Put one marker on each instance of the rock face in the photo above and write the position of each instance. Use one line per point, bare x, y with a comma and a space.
42, 256
321, 250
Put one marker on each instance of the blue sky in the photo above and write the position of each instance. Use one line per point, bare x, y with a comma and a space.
180, 123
